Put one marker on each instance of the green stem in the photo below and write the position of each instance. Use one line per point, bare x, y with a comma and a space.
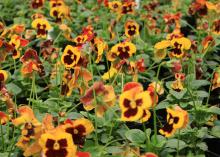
210, 87
154, 104
32, 89
178, 143
95, 100
2, 136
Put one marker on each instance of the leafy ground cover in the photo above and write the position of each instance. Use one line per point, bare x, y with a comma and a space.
103, 78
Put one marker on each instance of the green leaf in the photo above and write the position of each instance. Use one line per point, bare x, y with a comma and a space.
202, 132
178, 95
195, 84
114, 149
162, 105
216, 131
214, 109
201, 94
135, 136
202, 146
13, 88
172, 143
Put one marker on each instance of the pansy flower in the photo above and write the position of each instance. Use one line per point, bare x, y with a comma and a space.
42, 26
31, 126
177, 118
177, 85
60, 12
110, 73
80, 79
56, 3
88, 31
99, 45
213, 6
37, 4
111, 30
70, 56
4, 118
155, 89
216, 79
207, 42
80, 40
31, 63
134, 101
198, 7
48, 51
3, 75
122, 51
57, 143
177, 46
17, 42
99, 96
115, 6
4, 93
79, 129
128, 8
5, 48
131, 28
216, 27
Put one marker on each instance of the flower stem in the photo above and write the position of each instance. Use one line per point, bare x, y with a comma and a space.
154, 104
94, 95
178, 143
2, 136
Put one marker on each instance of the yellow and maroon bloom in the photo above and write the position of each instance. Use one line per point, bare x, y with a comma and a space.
31, 63
198, 7
207, 42
80, 40
17, 42
26, 116
79, 129
131, 28
56, 3
4, 118
42, 26
99, 96
5, 48
88, 32
177, 85
3, 76
31, 127
80, 79
216, 79
177, 46
57, 143
115, 6
134, 101
37, 4
122, 51
70, 56
177, 118
216, 27
111, 30
110, 73
128, 8
60, 12
99, 45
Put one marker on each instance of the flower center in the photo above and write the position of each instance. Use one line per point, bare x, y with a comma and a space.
75, 131
56, 146
133, 104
